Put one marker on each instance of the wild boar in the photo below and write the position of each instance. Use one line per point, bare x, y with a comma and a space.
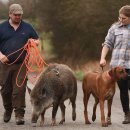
56, 84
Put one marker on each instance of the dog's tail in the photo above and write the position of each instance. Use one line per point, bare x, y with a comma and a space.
83, 84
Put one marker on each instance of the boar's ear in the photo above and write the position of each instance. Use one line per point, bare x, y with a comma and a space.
43, 93
29, 90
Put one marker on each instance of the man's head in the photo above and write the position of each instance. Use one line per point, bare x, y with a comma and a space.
15, 9
124, 15
15, 13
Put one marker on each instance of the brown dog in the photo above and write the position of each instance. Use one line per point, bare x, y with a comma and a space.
102, 87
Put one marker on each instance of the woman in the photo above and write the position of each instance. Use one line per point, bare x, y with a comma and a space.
118, 40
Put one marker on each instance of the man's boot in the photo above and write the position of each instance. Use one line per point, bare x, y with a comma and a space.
7, 115
126, 118
19, 116
19, 120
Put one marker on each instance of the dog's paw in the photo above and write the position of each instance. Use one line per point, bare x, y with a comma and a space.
87, 122
108, 119
104, 124
93, 118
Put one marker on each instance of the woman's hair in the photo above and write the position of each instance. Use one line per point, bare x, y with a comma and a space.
125, 10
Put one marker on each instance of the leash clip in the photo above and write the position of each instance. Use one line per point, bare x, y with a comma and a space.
102, 68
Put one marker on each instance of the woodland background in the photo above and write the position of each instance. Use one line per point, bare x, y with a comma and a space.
73, 29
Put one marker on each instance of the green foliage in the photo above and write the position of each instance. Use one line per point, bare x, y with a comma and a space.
78, 26
79, 75
75, 28
3, 10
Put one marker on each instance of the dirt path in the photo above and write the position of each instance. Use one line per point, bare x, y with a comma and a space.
117, 116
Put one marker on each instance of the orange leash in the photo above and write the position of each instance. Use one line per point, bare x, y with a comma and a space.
33, 60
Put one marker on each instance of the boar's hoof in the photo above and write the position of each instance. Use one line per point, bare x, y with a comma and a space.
34, 124
74, 116
62, 121
93, 118
41, 123
53, 123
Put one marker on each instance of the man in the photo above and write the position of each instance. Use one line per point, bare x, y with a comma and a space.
118, 40
14, 33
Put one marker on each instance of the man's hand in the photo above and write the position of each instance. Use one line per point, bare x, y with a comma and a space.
3, 58
37, 41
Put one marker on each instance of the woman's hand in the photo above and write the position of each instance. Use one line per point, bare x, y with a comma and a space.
102, 62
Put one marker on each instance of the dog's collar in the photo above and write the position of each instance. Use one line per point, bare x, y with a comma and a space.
111, 77
108, 75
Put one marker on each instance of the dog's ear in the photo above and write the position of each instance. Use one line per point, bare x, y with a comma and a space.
112, 73
118, 73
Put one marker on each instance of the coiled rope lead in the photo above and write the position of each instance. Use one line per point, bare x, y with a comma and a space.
33, 60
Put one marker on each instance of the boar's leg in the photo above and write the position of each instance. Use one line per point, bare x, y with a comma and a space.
72, 99
42, 118
54, 111
62, 107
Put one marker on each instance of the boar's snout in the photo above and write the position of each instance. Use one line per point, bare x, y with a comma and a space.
34, 118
